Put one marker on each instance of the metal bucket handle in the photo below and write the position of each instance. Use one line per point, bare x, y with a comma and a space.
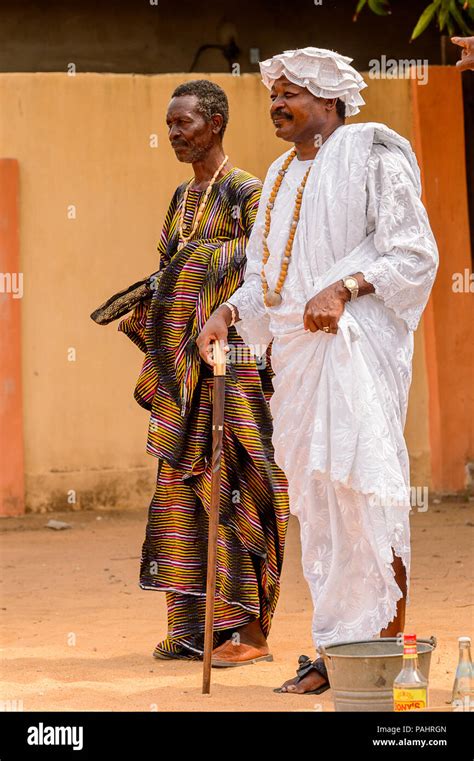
322, 650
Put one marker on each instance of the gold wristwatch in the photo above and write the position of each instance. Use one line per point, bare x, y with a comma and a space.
352, 286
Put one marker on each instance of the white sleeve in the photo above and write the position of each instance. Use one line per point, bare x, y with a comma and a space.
404, 272
253, 324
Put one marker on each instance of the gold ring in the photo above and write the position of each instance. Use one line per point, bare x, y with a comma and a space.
326, 329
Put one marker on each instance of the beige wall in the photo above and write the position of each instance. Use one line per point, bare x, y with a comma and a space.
84, 141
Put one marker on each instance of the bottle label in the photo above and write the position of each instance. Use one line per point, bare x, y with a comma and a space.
409, 699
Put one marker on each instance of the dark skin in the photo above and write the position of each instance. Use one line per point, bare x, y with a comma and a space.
195, 140
299, 117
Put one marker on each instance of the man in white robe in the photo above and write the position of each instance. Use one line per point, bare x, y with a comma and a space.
342, 348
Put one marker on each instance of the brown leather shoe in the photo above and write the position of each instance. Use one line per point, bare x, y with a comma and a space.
228, 655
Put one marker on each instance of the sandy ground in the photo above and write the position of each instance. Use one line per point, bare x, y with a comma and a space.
78, 632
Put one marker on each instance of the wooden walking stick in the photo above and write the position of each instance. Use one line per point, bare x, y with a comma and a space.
219, 357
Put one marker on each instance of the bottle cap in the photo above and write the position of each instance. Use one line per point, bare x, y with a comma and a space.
464, 639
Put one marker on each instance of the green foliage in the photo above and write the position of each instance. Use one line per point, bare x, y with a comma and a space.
451, 16
380, 7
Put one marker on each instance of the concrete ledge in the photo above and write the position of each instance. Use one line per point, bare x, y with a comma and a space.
90, 490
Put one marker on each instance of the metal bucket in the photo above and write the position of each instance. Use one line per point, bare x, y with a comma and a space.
361, 674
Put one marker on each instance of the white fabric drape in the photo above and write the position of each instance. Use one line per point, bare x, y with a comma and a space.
340, 401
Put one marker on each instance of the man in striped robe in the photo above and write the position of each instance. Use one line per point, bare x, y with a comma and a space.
202, 261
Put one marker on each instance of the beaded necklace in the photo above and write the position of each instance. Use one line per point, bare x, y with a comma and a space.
272, 298
184, 239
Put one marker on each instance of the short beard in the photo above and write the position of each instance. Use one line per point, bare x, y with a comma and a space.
199, 153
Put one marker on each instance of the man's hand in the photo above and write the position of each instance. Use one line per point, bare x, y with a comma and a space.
467, 58
325, 309
215, 329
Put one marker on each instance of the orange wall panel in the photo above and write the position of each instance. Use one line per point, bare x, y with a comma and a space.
12, 500
439, 141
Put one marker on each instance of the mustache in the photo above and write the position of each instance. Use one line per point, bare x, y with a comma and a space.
281, 115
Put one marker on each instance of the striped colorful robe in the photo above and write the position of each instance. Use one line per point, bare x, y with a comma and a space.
175, 385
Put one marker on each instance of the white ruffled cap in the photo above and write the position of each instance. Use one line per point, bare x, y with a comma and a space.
324, 73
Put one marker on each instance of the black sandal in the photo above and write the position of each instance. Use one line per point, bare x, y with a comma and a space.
305, 666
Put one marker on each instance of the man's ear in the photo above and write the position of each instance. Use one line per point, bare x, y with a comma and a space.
217, 123
330, 104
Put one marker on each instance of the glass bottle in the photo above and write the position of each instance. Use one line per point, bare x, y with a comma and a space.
463, 688
410, 688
